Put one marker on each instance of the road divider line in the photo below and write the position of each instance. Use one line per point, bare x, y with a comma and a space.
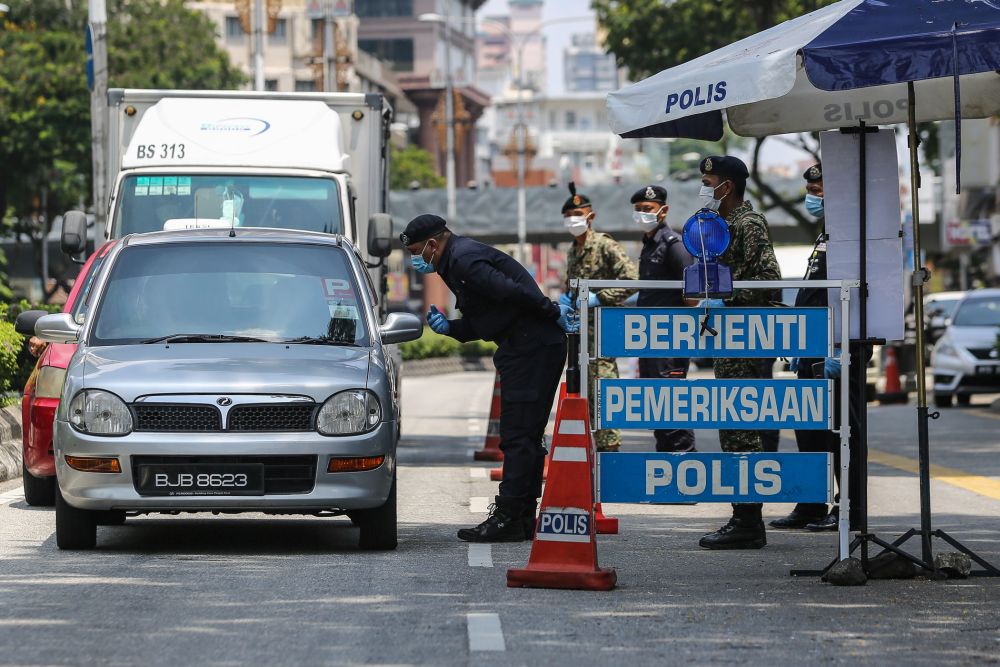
478, 473
479, 504
485, 632
978, 484
480, 555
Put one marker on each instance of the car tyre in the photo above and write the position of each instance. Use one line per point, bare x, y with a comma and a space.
75, 528
38, 491
942, 400
963, 399
378, 525
111, 518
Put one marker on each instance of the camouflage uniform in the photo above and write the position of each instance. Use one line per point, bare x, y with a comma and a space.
601, 258
750, 256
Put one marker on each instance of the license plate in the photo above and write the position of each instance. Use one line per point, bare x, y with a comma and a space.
179, 479
987, 370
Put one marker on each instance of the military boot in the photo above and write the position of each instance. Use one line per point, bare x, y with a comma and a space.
504, 524
744, 531
528, 520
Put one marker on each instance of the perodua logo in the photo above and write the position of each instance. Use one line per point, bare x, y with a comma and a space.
250, 127
224, 401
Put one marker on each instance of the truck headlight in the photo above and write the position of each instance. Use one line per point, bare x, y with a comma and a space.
49, 383
99, 412
349, 412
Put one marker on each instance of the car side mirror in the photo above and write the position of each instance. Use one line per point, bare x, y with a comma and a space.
401, 327
74, 233
57, 328
25, 322
380, 235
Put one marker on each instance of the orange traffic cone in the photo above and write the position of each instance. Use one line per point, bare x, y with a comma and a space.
491, 446
606, 525
496, 474
893, 387
564, 552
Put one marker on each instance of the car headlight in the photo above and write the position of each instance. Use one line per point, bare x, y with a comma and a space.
99, 412
945, 348
349, 412
49, 383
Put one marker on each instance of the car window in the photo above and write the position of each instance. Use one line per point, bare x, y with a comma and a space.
978, 312
82, 304
273, 291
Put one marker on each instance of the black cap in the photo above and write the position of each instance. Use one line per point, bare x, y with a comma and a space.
422, 228
814, 173
724, 166
575, 200
650, 193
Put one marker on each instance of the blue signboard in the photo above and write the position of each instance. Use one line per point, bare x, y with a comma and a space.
741, 332
715, 404
716, 477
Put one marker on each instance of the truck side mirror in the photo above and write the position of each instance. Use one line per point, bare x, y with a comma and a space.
74, 233
380, 235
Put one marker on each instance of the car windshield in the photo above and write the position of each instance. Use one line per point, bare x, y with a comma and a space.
222, 291
151, 203
943, 307
978, 312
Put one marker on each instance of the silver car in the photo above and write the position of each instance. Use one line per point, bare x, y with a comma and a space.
228, 371
965, 358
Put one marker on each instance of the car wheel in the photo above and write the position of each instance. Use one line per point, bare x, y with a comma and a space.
942, 400
111, 518
378, 525
75, 528
38, 491
963, 399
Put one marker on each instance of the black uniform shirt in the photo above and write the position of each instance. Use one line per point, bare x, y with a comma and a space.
814, 296
663, 257
497, 296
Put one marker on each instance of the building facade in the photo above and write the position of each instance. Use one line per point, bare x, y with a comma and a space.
587, 68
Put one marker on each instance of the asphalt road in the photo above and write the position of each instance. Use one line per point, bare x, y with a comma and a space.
261, 590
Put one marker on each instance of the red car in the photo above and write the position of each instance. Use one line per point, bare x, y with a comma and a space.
42, 392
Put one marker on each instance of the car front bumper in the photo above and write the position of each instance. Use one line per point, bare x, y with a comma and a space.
331, 491
953, 376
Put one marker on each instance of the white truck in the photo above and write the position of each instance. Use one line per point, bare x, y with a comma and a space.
312, 161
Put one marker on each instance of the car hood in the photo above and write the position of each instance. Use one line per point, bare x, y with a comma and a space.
131, 371
973, 337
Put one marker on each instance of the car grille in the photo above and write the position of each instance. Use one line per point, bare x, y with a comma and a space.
176, 418
274, 417
282, 474
982, 352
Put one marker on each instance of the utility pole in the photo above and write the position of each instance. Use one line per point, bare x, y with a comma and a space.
522, 131
449, 119
97, 37
258, 44
329, 51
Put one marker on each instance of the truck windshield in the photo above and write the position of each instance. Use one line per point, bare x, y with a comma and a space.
219, 291
149, 201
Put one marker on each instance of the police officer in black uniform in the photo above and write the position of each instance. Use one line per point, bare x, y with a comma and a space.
663, 257
500, 302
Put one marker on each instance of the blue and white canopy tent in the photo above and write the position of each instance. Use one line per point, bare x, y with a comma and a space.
851, 63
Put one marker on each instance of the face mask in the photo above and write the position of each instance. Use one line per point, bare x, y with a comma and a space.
647, 221
421, 265
707, 195
814, 205
576, 224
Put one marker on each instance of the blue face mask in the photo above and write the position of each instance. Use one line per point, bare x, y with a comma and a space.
814, 205
421, 265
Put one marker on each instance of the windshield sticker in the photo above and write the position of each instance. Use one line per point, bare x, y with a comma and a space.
341, 312
169, 185
337, 288
142, 186
184, 185
155, 185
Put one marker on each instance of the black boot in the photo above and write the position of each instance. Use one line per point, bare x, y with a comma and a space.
829, 522
528, 520
801, 516
744, 531
504, 524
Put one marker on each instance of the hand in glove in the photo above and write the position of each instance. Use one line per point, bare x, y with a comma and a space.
711, 303
831, 367
566, 321
437, 321
593, 301
565, 300
793, 364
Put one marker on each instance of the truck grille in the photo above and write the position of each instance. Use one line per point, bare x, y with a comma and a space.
282, 474
176, 418
273, 417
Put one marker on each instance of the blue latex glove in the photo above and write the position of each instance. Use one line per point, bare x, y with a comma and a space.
593, 301
711, 303
793, 364
437, 321
564, 300
831, 367
632, 300
566, 321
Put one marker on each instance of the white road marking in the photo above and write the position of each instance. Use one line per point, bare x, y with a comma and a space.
478, 473
479, 504
480, 555
485, 632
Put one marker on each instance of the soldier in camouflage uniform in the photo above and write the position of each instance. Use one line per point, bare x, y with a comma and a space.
596, 256
750, 256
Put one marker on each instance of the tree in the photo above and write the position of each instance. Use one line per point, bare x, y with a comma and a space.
648, 36
412, 165
45, 163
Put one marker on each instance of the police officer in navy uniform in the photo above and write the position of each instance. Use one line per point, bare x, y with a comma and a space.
663, 257
500, 302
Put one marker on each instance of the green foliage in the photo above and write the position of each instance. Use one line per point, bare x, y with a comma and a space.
413, 164
432, 346
477, 348
24, 361
11, 344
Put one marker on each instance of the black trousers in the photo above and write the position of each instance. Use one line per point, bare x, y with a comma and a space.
668, 440
529, 378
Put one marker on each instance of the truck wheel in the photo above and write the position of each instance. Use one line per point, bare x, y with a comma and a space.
38, 491
378, 525
75, 528
942, 400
